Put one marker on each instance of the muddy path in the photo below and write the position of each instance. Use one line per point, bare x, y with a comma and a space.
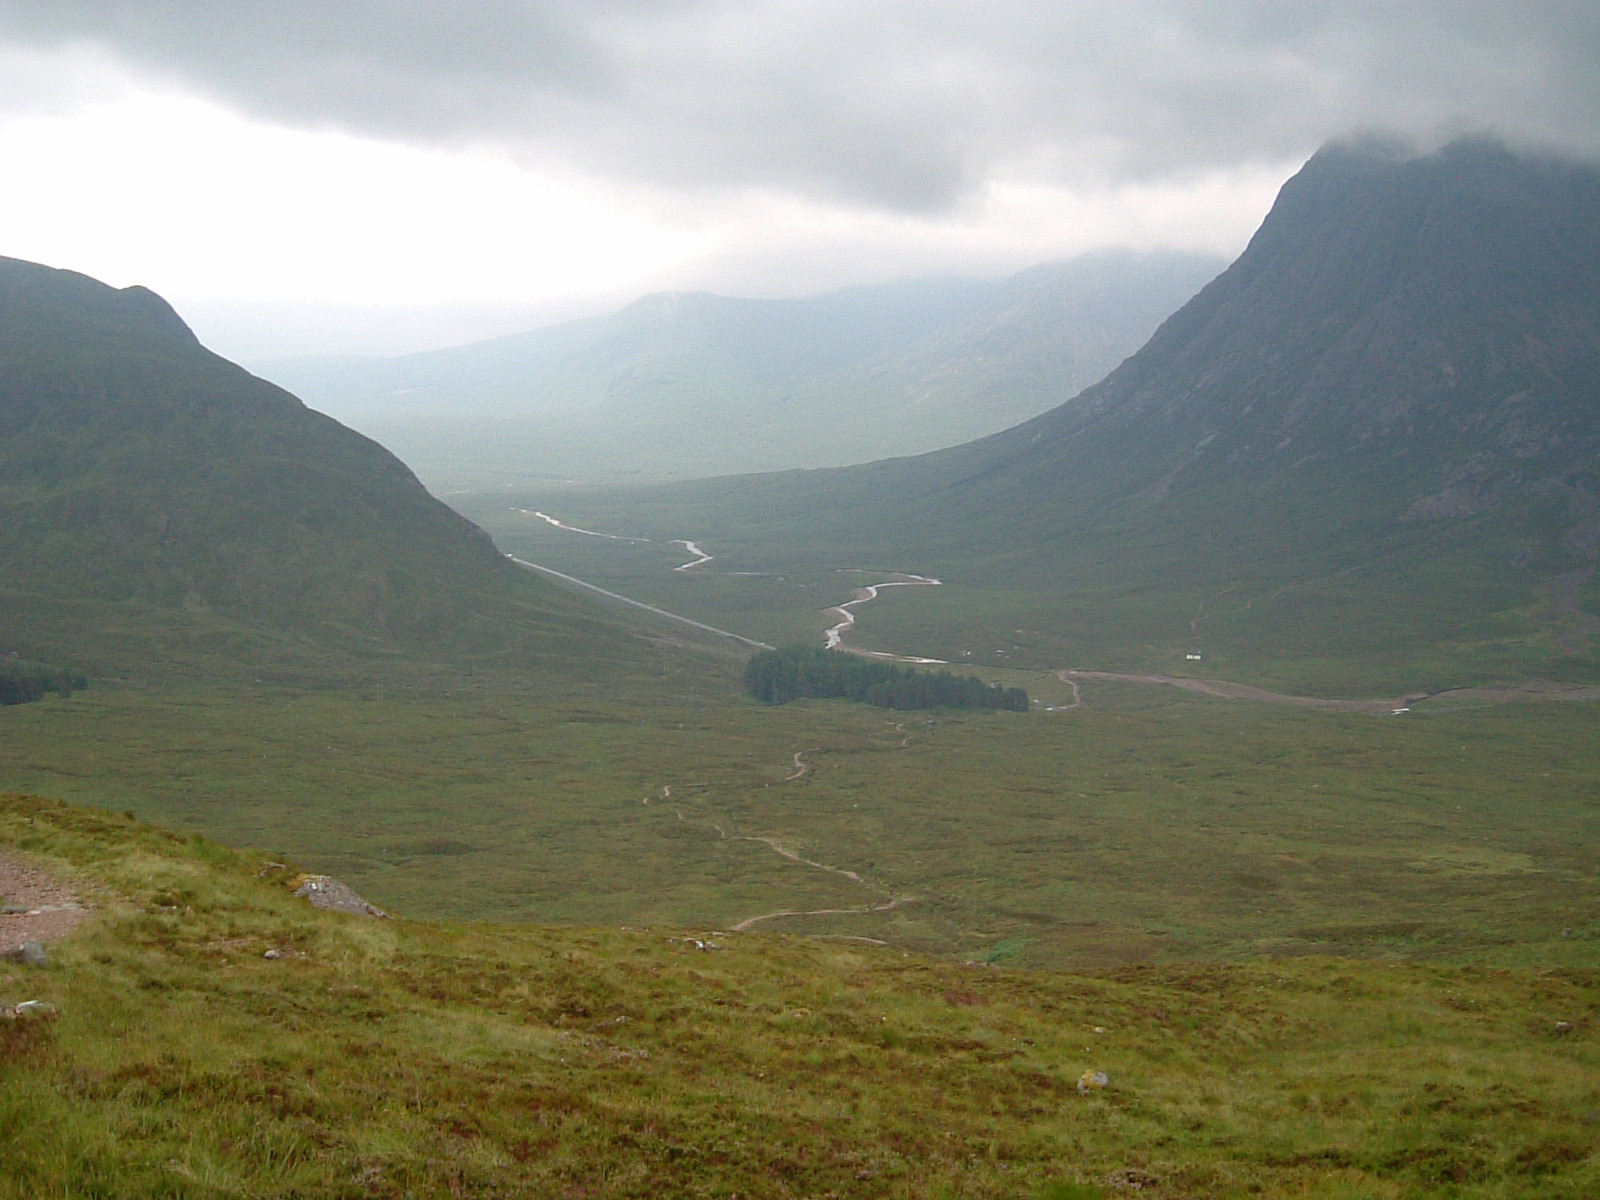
886, 906
801, 767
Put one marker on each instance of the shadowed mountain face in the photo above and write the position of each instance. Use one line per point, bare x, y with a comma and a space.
142, 475
1431, 327
1390, 404
692, 383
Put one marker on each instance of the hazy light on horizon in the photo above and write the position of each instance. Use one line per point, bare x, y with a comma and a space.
220, 214
521, 160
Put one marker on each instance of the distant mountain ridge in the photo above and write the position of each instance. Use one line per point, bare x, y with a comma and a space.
1375, 438
147, 484
693, 383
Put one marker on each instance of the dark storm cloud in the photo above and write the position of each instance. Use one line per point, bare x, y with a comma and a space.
907, 104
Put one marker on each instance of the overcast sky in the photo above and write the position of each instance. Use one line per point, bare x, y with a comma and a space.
384, 175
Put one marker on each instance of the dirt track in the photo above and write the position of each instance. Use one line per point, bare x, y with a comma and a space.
1535, 689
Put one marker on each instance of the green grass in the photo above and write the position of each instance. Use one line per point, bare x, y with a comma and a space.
414, 1058
1147, 825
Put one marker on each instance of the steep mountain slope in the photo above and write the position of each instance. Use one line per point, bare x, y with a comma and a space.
1374, 436
146, 482
691, 383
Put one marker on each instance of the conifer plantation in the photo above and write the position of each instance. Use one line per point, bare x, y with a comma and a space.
807, 672
22, 681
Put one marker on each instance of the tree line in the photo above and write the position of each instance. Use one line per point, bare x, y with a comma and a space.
22, 681
806, 672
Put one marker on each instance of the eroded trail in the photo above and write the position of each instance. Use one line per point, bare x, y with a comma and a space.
1077, 694
886, 904
800, 765
38, 907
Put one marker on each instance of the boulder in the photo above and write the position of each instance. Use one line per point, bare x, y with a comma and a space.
324, 891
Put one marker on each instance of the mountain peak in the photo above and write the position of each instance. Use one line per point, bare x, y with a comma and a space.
1374, 436
39, 301
147, 305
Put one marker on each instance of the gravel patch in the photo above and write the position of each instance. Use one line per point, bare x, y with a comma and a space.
34, 906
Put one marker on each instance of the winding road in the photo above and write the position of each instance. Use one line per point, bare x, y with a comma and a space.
1243, 691
846, 622
1223, 689
834, 635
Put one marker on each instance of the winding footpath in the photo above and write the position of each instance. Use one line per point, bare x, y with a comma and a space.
800, 765
887, 905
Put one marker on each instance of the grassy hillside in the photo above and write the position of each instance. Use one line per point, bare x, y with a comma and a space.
413, 1058
163, 509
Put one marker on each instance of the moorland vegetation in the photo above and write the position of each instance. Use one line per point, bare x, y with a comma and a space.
209, 1034
1317, 952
